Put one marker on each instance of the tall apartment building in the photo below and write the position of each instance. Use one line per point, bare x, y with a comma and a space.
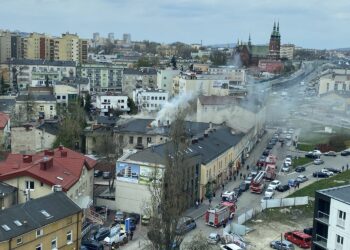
331, 229
10, 46
36, 46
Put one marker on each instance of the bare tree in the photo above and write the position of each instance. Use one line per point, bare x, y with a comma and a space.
199, 242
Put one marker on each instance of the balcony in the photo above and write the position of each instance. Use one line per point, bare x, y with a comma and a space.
321, 241
322, 217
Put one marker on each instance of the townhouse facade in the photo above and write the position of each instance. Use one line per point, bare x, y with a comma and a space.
150, 100
105, 102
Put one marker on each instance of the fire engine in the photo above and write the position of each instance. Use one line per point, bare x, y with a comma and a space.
220, 214
258, 183
270, 168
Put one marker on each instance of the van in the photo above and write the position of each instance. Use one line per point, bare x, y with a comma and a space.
300, 239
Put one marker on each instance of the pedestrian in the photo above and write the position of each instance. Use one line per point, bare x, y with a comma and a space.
197, 203
223, 186
244, 177
209, 201
298, 184
201, 200
240, 176
248, 167
342, 168
131, 235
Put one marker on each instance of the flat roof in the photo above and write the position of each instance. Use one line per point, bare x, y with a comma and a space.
338, 193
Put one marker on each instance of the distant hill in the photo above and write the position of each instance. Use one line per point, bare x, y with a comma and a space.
224, 45
343, 49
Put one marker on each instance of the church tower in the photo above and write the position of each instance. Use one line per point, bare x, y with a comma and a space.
275, 42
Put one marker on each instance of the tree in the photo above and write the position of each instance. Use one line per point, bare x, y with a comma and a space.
87, 105
218, 58
199, 242
169, 196
173, 62
132, 106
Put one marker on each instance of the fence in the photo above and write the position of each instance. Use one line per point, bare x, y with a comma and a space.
279, 202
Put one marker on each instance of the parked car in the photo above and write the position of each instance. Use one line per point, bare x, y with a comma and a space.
261, 161
282, 188
330, 153
291, 131
244, 186
116, 237
345, 152
288, 136
313, 154
106, 175
237, 191
185, 225
285, 168
145, 219
101, 233
334, 170
214, 238
288, 161
119, 217
248, 180
284, 245
318, 161
97, 173
319, 175
270, 146
329, 173
302, 178
299, 169
266, 152
269, 192
91, 245
274, 184
293, 182
308, 230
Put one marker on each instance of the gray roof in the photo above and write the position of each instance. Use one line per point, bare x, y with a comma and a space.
41, 97
41, 62
339, 193
107, 120
209, 148
57, 205
142, 126
6, 189
50, 127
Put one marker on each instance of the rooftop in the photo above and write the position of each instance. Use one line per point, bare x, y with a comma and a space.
50, 126
61, 166
41, 62
144, 71
36, 213
33, 97
6, 189
338, 193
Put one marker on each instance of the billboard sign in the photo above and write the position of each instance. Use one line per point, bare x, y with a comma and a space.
128, 172
147, 174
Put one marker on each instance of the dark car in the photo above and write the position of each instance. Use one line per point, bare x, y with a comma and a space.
282, 188
345, 153
308, 230
101, 210
266, 152
300, 169
97, 173
334, 170
185, 225
102, 233
320, 175
237, 191
92, 245
270, 146
119, 217
244, 186
311, 155
261, 161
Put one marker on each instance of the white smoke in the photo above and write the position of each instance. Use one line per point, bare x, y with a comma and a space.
169, 110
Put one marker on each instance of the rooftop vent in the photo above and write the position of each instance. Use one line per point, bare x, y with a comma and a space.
49, 152
46, 214
6, 227
18, 223
46, 163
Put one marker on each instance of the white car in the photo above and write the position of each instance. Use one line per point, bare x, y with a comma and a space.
318, 161
288, 136
274, 184
316, 152
329, 173
269, 192
288, 162
291, 131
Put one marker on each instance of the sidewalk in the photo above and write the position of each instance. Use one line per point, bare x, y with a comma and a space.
230, 185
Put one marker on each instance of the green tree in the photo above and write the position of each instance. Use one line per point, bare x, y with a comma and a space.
133, 108
87, 105
143, 62
218, 58
199, 242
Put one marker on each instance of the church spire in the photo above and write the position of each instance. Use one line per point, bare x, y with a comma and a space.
249, 41
278, 28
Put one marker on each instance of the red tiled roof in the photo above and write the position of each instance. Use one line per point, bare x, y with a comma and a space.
65, 170
4, 118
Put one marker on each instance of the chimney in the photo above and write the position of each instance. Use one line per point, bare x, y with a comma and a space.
46, 163
60, 147
27, 158
64, 154
210, 125
48, 152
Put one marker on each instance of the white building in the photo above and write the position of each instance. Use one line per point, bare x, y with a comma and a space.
165, 78
105, 102
65, 93
287, 51
335, 82
150, 99
236, 75
332, 219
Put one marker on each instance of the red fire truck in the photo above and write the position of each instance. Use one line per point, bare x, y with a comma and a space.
258, 183
220, 214
270, 167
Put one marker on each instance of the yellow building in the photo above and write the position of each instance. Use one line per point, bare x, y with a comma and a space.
36, 46
67, 48
50, 222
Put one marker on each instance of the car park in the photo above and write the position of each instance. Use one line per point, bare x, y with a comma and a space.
319, 175
330, 153
284, 245
214, 238
334, 170
299, 169
274, 184
282, 188
302, 178
318, 161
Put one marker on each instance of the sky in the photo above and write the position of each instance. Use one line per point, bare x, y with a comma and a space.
321, 24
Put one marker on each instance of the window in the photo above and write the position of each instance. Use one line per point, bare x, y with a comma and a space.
64, 97
19, 241
38, 247
41, 108
51, 107
340, 241
30, 185
341, 218
39, 232
54, 244
131, 139
58, 97
69, 237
